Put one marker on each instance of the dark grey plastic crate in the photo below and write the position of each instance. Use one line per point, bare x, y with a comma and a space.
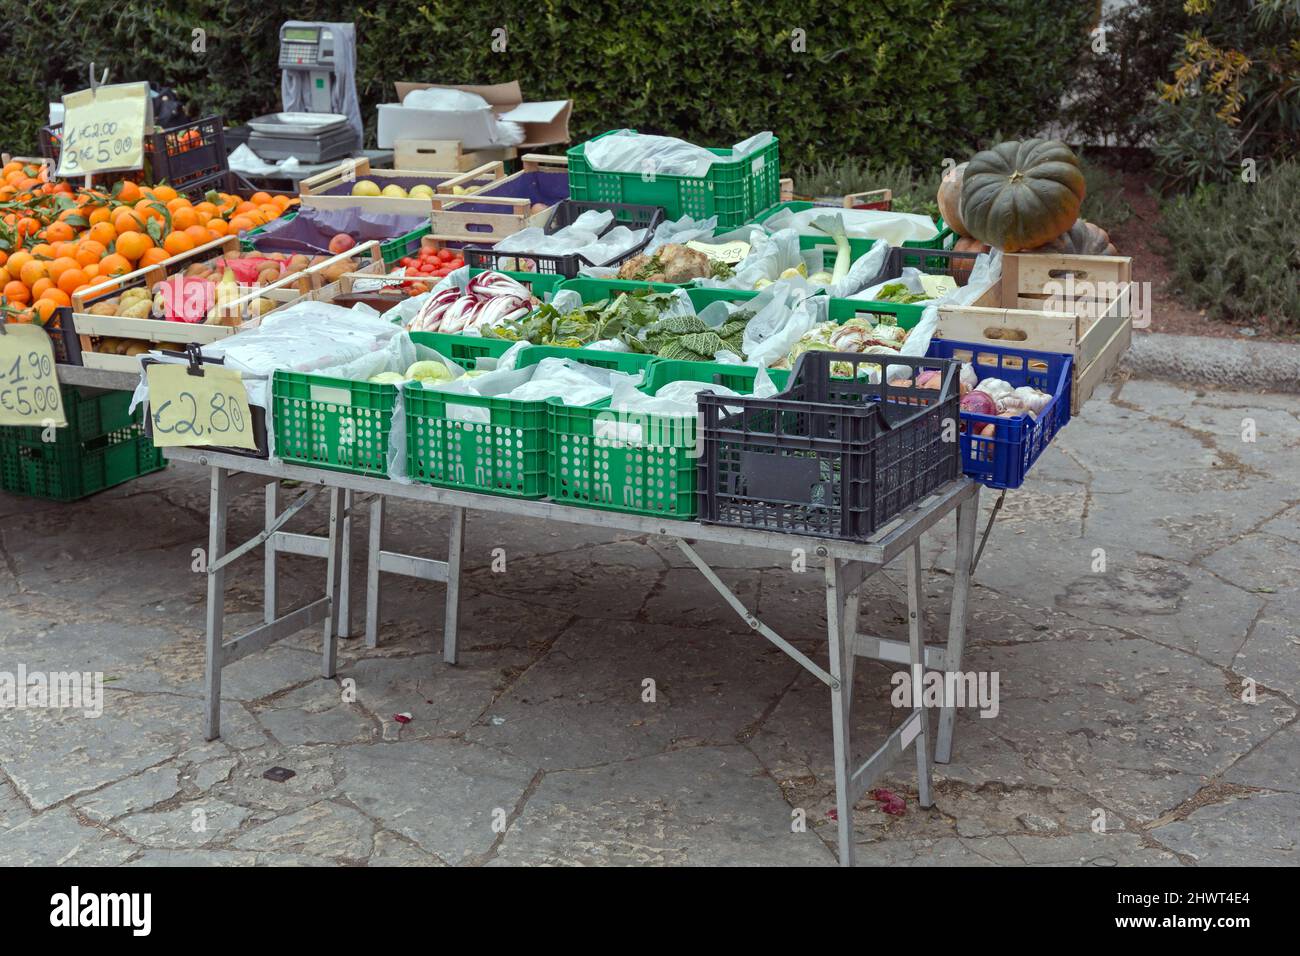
835, 457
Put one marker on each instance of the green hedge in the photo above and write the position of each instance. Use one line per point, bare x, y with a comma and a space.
924, 80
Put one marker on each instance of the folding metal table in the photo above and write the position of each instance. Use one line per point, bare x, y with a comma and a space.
846, 566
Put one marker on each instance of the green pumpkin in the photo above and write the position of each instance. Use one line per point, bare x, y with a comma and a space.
1020, 195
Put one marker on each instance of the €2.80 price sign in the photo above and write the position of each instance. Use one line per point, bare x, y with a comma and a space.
29, 388
207, 409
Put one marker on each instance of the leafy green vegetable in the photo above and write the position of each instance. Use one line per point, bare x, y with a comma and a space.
721, 270
899, 292
688, 338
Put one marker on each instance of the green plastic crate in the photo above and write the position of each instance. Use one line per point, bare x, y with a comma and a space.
636, 462
733, 190
539, 284
945, 238
332, 423
103, 445
505, 452
594, 290
907, 316
464, 350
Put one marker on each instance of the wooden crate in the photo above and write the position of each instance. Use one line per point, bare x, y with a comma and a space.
446, 155
486, 228
1078, 305
314, 189
154, 332
304, 287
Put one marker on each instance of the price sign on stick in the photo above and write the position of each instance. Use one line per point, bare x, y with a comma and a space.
206, 409
29, 389
103, 129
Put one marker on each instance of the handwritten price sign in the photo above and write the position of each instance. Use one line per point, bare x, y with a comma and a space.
103, 130
207, 409
29, 389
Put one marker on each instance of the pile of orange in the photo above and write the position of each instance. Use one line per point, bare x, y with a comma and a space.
56, 241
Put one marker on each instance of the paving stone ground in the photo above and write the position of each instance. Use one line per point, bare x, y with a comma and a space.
1133, 592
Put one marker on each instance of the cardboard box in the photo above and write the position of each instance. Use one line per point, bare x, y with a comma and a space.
545, 123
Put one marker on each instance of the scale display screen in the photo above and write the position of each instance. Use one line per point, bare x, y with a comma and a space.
301, 34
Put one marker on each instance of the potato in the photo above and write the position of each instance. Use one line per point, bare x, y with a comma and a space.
107, 307
298, 263
268, 275
335, 272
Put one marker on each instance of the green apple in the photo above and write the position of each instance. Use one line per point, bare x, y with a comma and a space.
394, 191
365, 187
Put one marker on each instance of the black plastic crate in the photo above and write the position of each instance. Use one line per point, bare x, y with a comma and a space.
63, 336
934, 261
831, 456
565, 213
227, 181
176, 156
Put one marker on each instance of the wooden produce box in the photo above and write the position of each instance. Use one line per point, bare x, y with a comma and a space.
332, 189
452, 222
446, 155
139, 334
1078, 305
294, 289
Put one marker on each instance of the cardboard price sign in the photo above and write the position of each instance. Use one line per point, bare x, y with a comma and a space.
728, 252
205, 409
29, 388
103, 129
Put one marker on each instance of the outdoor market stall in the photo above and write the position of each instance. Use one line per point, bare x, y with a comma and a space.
683, 356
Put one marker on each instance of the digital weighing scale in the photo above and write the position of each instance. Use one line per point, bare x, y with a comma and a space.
321, 120
311, 137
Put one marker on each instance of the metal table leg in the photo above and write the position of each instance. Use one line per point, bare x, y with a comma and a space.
333, 584
452, 616
841, 694
270, 591
372, 570
967, 514
916, 648
218, 503
345, 577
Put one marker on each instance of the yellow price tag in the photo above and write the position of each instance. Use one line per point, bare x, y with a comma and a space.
207, 409
103, 129
29, 388
728, 252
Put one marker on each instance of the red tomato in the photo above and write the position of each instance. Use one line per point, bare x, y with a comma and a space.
406, 261
456, 263
446, 255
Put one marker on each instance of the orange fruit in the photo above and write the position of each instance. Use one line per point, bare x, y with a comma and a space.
72, 279
114, 265
17, 293
177, 242
259, 198
245, 207
153, 256
58, 232
132, 245
56, 295
282, 201
128, 191
102, 232
90, 251
218, 227
241, 224
199, 234
43, 250
31, 271
184, 217
92, 270
151, 209
60, 266
164, 194
40, 285
44, 309
18, 260
180, 202
205, 211
99, 214
127, 220
269, 209
64, 250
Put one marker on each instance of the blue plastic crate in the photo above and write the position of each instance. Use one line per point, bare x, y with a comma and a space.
1003, 460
